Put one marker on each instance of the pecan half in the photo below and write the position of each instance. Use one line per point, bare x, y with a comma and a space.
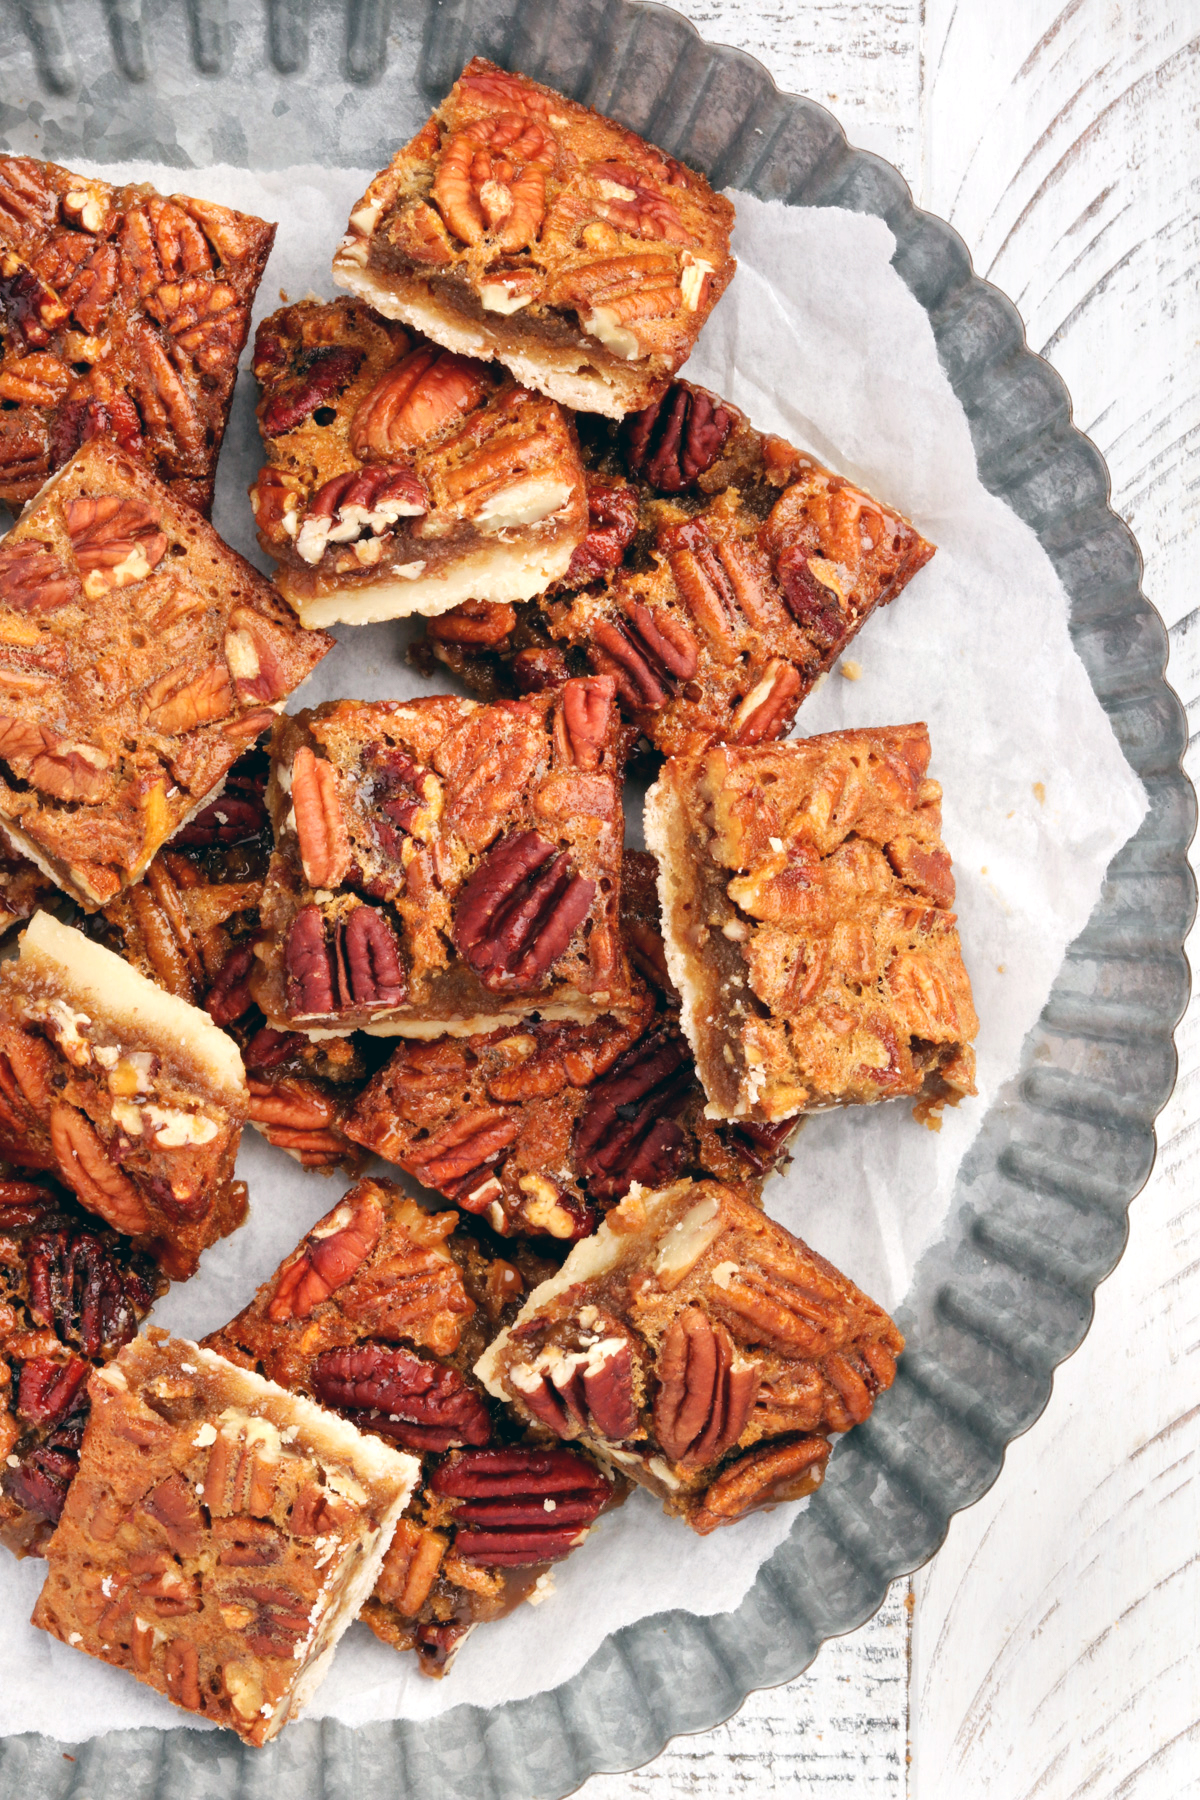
399, 1395
369, 971
480, 622
320, 375
85, 1167
503, 1518
491, 180
42, 1478
518, 911
612, 527
415, 401
763, 1477
320, 827
328, 1257
452, 1158
410, 1567
678, 438
229, 998
816, 608
359, 505
80, 1290
781, 1300
309, 966
647, 653
33, 579
116, 540
48, 1388
626, 1132
705, 1391
595, 1385
584, 716
770, 706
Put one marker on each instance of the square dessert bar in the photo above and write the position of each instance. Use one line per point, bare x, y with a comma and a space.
724, 572
540, 1129
402, 478
220, 1534
72, 1293
379, 1313
139, 657
444, 866
702, 1349
520, 225
190, 926
124, 312
806, 894
133, 1098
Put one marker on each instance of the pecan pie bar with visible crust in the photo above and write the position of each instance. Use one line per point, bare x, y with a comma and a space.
191, 925
445, 866
724, 572
806, 902
219, 1536
702, 1349
72, 1293
402, 478
380, 1313
139, 657
520, 225
130, 1096
121, 312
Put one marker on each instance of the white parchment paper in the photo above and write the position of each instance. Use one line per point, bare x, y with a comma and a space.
820, 340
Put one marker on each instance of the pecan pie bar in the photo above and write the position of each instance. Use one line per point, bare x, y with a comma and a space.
121, 312
701, 1348
520, 225
402, 478
72, 1293
190, 926
132, 1097
444, 866
539, 1129
723, 574
220, 1534
806, 895
139, 657
380, 1313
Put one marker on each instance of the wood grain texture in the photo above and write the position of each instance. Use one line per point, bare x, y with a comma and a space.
1053, 1651
840, 1729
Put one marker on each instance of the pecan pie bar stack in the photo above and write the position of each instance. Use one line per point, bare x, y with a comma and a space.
121, 312
72, 1293
402, 478
132, 1097
444, 866
723, 574
701, 1348
190, 926
380, 1313
520, 225
806, 896
220, 1534
139, 657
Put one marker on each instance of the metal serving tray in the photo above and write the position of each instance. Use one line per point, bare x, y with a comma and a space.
1040, 1209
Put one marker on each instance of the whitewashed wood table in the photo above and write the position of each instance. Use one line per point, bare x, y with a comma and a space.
1049, 1650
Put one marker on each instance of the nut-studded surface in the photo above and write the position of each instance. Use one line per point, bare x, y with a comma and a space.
130, 1097
807, 897
441, 865
401, 478
71, 1294
723, 573
190, 926
219, 1536
121, 313
542, 1128
380, 1313
702, 1349
139, 657
521, 225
